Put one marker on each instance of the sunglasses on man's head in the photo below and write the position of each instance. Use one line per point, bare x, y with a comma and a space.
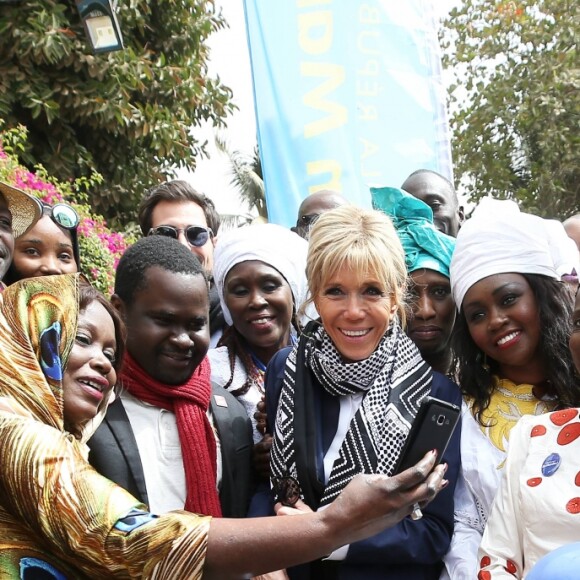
308, 220
195, 235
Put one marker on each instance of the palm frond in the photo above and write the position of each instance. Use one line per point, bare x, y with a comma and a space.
230, 221
246, 176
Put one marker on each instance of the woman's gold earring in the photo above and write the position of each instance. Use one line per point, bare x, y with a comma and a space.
483, 361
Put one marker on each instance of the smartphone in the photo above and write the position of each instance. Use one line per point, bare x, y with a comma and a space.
432, 429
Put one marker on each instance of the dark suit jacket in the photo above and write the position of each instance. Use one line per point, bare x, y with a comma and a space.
114, 452
410, 550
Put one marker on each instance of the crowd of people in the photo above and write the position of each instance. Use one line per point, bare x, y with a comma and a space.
237, 408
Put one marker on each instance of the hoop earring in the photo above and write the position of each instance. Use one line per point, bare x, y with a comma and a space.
482, 360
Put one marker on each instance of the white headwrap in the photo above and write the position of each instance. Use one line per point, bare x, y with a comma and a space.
499, 239
274, 245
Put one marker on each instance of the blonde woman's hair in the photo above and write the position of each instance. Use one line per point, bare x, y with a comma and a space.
366, 242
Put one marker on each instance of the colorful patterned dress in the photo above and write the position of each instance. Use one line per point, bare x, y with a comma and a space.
58, 517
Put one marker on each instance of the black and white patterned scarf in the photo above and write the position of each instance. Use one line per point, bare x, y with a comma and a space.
394, 380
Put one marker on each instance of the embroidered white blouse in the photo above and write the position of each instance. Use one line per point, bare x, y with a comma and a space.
537, 508
483, 454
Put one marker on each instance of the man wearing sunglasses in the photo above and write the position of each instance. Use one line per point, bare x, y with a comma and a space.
315, 204
176, 210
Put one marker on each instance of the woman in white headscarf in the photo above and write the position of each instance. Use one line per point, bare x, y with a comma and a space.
511, 341
535, 512
259, 272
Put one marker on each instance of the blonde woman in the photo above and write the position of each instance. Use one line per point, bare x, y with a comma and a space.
347, 394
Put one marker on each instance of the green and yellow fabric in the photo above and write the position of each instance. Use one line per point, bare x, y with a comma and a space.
58, 517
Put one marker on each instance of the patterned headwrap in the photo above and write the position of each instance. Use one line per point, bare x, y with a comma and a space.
425, 246
38, 322
500, 239
274, 245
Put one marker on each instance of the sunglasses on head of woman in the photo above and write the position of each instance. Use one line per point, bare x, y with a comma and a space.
64, 216
195, 235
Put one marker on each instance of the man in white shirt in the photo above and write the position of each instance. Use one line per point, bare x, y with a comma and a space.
172, 439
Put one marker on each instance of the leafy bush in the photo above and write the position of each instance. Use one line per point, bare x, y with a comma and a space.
131, 115
100, 248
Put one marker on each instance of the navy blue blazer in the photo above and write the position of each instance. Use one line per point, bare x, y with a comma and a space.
114, 453
411, 550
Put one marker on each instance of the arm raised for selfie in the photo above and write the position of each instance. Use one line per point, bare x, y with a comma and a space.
368, 505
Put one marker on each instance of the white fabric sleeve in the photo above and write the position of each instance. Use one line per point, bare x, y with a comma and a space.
461, 559
501, 544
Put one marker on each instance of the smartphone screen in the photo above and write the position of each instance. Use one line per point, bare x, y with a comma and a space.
432, 429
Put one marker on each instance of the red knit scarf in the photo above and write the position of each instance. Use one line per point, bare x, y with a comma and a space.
190, 403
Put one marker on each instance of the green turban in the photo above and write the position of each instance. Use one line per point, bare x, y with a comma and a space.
425, 246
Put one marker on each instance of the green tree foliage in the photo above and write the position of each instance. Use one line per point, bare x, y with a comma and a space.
128, 115
516, 101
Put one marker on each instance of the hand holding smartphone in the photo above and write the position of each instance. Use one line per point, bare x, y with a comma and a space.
432, 429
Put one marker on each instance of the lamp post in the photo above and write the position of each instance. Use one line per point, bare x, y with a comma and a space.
101, 25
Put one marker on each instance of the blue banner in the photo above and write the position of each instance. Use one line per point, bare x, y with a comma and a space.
348, 95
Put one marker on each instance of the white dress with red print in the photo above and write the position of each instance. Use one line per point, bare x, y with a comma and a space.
537, 508
483, 455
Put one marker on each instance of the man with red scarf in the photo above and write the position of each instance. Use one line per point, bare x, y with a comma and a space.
171, 438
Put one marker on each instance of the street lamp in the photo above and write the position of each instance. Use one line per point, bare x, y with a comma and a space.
101, 25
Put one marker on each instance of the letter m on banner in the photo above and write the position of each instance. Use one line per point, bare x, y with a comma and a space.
348, 94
